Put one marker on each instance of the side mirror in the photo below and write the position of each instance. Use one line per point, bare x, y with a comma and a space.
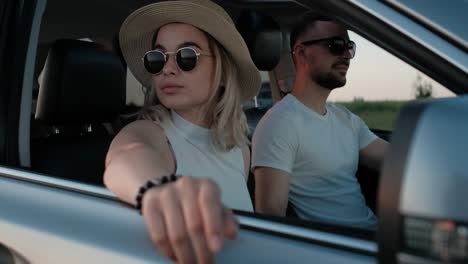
423, 205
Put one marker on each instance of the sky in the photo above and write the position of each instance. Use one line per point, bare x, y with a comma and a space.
375, 74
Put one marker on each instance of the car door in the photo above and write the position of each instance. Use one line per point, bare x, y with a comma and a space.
48, 220
63, 222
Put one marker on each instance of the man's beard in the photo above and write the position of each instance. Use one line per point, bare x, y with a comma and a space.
329, 81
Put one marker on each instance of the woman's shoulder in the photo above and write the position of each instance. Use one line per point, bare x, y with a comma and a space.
144, 131
143, 126
135, 135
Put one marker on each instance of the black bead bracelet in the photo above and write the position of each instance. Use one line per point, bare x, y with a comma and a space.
150, 184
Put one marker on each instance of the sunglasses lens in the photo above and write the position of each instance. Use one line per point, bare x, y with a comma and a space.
186, 59
352, 48
154, 61
337, 47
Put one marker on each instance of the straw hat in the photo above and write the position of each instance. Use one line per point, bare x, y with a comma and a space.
136, 34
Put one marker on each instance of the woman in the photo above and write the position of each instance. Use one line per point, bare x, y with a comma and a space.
198, 71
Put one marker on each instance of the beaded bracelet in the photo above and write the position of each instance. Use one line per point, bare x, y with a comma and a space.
150, 184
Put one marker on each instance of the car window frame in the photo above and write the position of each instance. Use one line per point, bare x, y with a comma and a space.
381, 24
425, 21
17, 47
292, 221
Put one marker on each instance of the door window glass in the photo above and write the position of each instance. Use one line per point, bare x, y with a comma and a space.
380, 84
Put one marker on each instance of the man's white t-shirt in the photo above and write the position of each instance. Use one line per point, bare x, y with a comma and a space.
321, 155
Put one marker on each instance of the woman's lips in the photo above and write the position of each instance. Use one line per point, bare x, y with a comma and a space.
170, 88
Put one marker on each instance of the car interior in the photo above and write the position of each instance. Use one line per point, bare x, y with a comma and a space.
80, 98
77, 110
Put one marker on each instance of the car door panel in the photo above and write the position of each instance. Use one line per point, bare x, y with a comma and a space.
79, 228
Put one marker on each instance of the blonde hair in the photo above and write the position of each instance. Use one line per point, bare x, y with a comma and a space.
228, 121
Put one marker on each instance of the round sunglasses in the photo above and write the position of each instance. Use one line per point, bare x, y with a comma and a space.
336, 45
186, 59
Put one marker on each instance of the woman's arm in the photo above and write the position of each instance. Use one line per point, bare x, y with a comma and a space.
185, 219
137, 154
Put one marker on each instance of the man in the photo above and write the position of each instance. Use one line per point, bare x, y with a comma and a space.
309, 150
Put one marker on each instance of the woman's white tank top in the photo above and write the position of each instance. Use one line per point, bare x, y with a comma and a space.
197, 156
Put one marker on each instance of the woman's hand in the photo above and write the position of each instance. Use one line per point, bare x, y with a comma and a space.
187, 221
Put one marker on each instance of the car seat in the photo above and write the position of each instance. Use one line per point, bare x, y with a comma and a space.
82, 92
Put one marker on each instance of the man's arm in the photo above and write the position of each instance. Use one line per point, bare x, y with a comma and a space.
271, 191
373, 154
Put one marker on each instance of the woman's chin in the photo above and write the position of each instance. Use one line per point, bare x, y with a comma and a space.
182, 102
175, 104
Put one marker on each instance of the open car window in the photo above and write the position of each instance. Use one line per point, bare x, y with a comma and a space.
372, 92
58, 141
379, 86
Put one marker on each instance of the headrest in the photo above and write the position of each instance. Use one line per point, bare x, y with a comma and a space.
263, 38
83, 83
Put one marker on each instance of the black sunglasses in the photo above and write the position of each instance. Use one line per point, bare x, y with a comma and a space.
336, 45
186, 58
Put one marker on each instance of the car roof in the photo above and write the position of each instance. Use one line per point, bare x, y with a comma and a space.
100, 20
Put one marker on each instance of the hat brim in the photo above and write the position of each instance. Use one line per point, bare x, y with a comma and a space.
136, 34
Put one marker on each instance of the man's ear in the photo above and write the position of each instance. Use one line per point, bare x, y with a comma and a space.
299, 52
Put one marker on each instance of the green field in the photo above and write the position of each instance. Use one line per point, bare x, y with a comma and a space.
376, 114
